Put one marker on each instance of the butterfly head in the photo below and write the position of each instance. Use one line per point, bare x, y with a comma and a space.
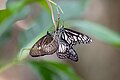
62, 28
48, 34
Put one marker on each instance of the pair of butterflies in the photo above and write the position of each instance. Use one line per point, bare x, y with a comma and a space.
60, 42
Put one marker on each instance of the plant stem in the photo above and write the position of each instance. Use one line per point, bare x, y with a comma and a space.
53, 19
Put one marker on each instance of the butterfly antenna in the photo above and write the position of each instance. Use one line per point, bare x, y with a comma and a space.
58, 18
63, 24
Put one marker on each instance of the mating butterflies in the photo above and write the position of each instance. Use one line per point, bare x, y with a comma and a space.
60, 42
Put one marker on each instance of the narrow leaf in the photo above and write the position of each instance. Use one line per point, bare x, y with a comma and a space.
53, 70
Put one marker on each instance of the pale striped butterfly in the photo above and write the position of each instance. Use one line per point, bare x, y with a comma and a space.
67, 38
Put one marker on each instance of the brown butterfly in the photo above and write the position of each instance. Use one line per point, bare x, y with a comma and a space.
47, 45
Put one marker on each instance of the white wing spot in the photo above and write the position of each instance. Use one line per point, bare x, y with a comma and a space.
85, 37
75, 38
79, 38
39, 48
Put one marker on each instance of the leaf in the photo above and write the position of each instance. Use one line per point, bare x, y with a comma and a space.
99, 31
53, 70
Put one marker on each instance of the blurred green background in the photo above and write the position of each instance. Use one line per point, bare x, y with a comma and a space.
23, 22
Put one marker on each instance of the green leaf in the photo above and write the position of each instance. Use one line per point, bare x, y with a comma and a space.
99, 31
4, 14
53, 70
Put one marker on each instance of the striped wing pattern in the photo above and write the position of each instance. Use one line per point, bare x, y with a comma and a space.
66, 51
72, 37
67, 39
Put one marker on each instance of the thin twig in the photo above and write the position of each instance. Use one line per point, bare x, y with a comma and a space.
59, 8
51, 9
58, 18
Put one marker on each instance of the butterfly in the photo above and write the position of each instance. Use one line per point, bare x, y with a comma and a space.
47, 45
67, 39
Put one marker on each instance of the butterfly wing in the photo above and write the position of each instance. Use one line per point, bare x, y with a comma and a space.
72, 55
72, 37
47, 45
62, 50
65, 51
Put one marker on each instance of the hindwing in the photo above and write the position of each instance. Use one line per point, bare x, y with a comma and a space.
65, 51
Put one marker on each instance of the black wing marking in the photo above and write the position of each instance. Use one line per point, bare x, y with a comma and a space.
72, 37
82, 38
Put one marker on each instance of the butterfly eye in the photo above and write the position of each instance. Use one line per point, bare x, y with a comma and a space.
48, 34
62, 29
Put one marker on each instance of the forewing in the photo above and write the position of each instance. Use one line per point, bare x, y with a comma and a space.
72, 37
